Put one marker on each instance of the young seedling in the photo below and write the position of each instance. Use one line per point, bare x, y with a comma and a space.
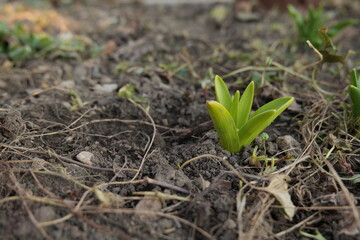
354, 93
76, 102
128, 92
231, 116
264, 137
307, 26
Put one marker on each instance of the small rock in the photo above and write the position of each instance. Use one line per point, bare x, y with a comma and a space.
3, 84
38, 164
85, 157
230, 224
271, 148
212, 135
107, 87
148, 205
288, 142
67, 84
66, 105
45, 213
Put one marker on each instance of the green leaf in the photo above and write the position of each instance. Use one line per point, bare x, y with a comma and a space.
295, 14
279, 105
245, 105
234, 108
355, 80
18, 53
41, 41
224, 125
4, 30
336, 28
262, 119
354, 93
254, 127
127, 91
222, 93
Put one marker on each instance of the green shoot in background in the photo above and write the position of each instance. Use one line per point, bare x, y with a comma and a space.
354, 93
231, 116
128, 92
308, 26
18, 43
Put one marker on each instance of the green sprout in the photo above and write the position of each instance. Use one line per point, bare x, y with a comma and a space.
232, 119
354, 92
76, 102
317, 235
307, 26
269, 162
264, 137
128, 92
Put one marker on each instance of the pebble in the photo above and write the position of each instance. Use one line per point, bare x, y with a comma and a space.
230, 224
45, 213
106, 87
288, 142
85, 157
67, 84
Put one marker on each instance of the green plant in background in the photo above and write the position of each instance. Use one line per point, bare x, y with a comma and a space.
307, 26
128, 92
18, 44
232, 119
354, 92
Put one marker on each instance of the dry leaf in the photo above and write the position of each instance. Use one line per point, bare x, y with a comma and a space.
279, 189
348, 222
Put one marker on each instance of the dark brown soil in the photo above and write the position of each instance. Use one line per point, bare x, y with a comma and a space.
134, 188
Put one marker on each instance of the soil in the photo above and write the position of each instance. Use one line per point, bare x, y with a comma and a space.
132, 187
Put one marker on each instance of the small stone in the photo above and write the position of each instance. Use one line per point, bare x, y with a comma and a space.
38, 164
213, 152
288, 142
106, 88
45, 213
230, 224
148, 205
212, 135
67, 84
3, 84
85, 157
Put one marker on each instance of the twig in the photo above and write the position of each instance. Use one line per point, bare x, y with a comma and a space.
151, 141
346, 192
166, 185
292, 228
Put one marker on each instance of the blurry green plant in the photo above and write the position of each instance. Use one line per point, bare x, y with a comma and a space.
76, 102
231, 116
128, 92
307, 26
354, 93
316, 236
19, 44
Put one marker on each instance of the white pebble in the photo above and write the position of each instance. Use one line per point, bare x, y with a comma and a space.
85, 157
